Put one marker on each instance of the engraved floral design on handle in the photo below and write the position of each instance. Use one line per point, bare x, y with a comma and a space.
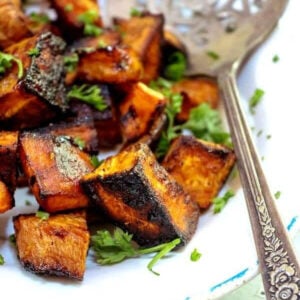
284, 281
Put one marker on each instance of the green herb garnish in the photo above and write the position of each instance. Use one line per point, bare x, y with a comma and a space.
114, 248
220, 202
39, 18
42, 215
33, 52
213, 55
2, 261
195, 255
102, 44
95, 161
69, 7
71, 62
12, 239
6, 61
255, 99
176, 66
277, 195
135, 12
27, 202
275, 58
88, 19
79, 142
90, 94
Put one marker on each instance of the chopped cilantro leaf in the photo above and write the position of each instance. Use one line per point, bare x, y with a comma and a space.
90, 94
176, 66
79, 142
95, 161
275, 58
71, 62
33, 52
88, 19
255, 99
195, 255
135, 12
220, 202
277, 195
12, 239
2, 261
69, 7
39, 18
42, 215
6, 61
213, 55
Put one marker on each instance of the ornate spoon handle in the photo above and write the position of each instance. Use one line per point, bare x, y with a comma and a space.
278, 262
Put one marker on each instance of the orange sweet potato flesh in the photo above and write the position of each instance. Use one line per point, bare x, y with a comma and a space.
8, 168
139, 110
140, 196
53, 167
13, 24
113, 65
56, 246
196, 90
200, 167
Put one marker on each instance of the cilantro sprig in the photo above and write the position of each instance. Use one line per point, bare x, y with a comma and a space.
176, 66
204, 122
114, 248
90, 94
71, 62
2, 261
6, 61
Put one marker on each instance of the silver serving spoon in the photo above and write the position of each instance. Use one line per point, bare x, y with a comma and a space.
229, 30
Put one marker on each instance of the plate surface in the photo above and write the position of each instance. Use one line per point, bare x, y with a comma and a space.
225, 240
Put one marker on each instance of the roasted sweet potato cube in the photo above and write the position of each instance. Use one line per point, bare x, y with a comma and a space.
8, 168
118, 64
54, 167
13, 24
72, 14
196, 90
144, 34
54, 246
31, 99
140, 196
139, 110
200, 167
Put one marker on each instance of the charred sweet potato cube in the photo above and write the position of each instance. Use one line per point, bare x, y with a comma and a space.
34, 98
139, 110
109, 38
140, 196
8, 168
73, 15
144, 34
54, 167
13, 24
117, 64
200, 167
195, 91
54, 246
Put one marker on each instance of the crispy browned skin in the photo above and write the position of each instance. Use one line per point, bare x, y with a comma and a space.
31, 100
144, 34
140, 196
109, 38
8, 168
13, 24
118, 64
196, 90
69, 12
54, 167
139, 110
56, 246
200, 167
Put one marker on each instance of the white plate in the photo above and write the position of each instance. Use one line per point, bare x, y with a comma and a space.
225, 241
